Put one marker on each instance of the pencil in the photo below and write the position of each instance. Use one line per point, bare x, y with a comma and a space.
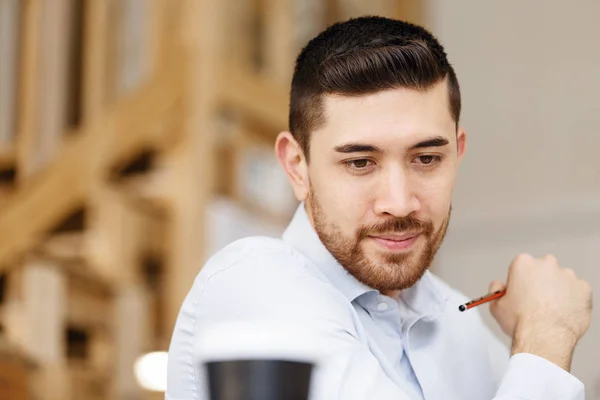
488, 297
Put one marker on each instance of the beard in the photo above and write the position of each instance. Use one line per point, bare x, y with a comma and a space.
393, 271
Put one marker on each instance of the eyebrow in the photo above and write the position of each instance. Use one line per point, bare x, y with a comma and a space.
368, 148
357, 148
434, 142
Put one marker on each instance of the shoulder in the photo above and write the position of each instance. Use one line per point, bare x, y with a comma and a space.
262, 276
267, 261
250, 250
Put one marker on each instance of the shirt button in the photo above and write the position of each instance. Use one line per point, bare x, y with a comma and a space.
382, 306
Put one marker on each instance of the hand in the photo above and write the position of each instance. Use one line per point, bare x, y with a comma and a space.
546, 308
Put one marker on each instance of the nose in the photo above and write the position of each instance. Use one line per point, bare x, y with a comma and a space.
396, 196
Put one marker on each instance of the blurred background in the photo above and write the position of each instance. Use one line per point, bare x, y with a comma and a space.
136, 140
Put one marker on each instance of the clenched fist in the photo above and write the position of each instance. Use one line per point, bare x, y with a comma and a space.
546, 308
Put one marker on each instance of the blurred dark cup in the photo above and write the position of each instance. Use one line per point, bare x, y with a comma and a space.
259, 380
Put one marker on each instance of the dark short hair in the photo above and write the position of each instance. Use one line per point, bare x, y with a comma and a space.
363, 56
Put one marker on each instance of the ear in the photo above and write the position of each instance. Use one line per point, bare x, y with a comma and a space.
461, 142
291, 157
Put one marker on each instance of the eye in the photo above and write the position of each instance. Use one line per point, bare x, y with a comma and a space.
428, 160
359, 165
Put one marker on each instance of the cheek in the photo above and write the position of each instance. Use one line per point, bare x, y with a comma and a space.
435, 196
340, 188
344, 201
344, 204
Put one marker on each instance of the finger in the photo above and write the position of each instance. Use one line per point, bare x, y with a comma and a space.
496, 285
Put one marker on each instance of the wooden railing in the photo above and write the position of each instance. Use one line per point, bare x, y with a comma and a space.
137, 122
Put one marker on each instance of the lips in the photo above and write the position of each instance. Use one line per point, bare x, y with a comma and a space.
396, 242
397, 237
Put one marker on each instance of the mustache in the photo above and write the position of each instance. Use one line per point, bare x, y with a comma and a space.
396, 225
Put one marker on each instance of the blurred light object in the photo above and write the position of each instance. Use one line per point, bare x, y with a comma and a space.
151, 371
259, 340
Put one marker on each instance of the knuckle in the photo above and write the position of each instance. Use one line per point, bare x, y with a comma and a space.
521, 261
550, 258
495, 285
524, 257
586, 287
570, 272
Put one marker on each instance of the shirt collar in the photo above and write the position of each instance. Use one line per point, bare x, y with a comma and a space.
426, 298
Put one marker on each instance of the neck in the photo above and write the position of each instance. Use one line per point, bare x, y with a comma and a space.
391, 293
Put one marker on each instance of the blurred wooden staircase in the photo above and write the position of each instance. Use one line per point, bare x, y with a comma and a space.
113, 155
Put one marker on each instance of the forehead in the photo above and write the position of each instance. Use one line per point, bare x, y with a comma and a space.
394, 117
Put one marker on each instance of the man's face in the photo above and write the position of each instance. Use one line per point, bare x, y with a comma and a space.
380, 182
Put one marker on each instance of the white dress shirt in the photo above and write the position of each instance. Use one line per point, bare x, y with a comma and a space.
371, 346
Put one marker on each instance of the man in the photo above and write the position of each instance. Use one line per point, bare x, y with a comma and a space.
372, 154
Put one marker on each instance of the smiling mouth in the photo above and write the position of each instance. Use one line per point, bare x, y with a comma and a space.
397, 237
396, 241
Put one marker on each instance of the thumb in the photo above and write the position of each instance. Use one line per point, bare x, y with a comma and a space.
494, 286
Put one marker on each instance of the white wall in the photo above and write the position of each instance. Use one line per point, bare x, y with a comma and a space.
530, 79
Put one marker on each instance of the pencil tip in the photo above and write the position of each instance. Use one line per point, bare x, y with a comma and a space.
462, 307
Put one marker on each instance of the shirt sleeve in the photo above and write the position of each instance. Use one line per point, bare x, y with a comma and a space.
530, 377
